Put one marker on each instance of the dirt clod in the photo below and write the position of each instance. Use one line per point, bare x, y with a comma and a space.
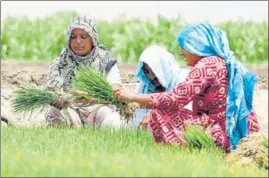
251, 152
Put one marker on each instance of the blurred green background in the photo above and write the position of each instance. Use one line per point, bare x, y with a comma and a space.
42, 39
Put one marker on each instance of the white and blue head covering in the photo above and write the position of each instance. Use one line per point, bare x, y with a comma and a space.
166, 69
204, 40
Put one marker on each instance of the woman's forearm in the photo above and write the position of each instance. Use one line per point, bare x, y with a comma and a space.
143, 100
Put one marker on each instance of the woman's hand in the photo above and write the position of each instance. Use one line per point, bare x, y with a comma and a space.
79, 97
60, 104
122, 95
83, 100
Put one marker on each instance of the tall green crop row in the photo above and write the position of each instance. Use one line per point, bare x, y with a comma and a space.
43, 39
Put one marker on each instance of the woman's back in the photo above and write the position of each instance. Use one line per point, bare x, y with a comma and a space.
212, 98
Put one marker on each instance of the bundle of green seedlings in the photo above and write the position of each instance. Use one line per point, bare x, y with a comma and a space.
251, 151
197, 137
98, 88
88, 84
29, 99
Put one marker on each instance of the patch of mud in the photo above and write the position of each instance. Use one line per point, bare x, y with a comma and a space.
262, 82
22, 79
32, 75
251, 152
34, 79
128, 77
260, 105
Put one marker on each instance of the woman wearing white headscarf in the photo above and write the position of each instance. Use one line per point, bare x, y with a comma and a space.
83, 48
157, 72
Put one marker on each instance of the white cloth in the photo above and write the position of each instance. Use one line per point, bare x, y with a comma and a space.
106, 115
113, 76
167, 70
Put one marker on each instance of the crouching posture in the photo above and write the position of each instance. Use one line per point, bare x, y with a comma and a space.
83, 48
219, 86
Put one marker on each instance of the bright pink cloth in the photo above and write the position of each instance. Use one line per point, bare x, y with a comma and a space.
206, 86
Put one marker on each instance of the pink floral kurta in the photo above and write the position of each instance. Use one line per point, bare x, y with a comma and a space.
206, 86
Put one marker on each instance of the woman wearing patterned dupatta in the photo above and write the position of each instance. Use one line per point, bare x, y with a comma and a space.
83, 48
219, 86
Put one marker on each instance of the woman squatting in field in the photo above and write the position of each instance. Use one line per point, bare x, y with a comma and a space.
220, 88
157, 72
83, 48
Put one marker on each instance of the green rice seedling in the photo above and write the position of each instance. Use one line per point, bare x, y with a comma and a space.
98, 88
197, 137
30, 99
88, 84
95, 85
88, 152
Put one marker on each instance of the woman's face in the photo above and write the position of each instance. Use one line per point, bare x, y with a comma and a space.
80, 42
150, 75
190, 59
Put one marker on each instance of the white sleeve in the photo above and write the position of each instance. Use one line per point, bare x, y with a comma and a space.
113, 76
